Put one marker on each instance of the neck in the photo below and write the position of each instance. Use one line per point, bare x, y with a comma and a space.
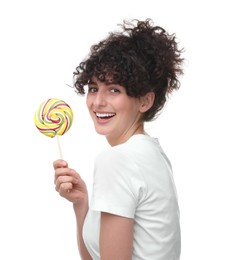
113, 141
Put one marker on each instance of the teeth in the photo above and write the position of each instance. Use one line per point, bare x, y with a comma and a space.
104, 114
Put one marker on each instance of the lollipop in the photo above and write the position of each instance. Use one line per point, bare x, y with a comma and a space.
53, 117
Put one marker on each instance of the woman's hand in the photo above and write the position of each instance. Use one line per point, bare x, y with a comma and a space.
69, 184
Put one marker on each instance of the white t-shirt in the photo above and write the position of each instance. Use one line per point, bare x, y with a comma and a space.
134, 180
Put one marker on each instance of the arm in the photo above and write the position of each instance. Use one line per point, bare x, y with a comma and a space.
80, 213
116, 237
69, 185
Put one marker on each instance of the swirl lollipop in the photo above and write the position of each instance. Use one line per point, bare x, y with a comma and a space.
53, 117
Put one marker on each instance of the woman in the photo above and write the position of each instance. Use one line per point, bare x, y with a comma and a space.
133, 212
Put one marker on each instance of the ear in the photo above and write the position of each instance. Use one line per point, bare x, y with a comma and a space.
147, 102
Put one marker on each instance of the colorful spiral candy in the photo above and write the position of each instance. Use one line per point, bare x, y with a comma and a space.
53, 117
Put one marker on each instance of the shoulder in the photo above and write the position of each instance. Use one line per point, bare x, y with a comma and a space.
125, 162
116, 155
116, 161
128, 160
136, 145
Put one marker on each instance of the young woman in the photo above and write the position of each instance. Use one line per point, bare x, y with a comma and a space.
133, 212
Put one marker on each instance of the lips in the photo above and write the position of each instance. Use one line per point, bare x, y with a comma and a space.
104, 115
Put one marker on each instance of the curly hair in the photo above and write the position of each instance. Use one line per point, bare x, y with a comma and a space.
142, 58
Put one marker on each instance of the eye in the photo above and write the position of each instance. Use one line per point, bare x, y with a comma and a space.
92, 89
115, 90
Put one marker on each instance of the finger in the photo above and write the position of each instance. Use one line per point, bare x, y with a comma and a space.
65, 188
60, 181
64, 171
59, 164
59, 172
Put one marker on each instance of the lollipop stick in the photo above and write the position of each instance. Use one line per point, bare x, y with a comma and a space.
59, 147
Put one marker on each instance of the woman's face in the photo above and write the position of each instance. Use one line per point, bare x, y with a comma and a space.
115, 114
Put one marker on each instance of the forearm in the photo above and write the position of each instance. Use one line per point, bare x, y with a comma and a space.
80, 213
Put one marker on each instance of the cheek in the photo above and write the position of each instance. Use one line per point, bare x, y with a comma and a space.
88, 102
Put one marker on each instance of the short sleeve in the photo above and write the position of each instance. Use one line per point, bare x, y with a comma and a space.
117, 186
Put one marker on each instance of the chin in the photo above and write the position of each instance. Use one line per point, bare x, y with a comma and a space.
101, 131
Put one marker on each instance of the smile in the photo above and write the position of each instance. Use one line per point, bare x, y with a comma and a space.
104, 115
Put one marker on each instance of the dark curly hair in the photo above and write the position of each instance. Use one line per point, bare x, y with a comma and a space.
142, 58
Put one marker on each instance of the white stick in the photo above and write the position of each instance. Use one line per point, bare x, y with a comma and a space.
59, 147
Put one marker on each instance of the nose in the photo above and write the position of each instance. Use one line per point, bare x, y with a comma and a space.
100, 99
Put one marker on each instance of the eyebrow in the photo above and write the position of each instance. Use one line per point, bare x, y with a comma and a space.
91, 82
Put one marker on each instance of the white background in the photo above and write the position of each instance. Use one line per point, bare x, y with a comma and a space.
41, 44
